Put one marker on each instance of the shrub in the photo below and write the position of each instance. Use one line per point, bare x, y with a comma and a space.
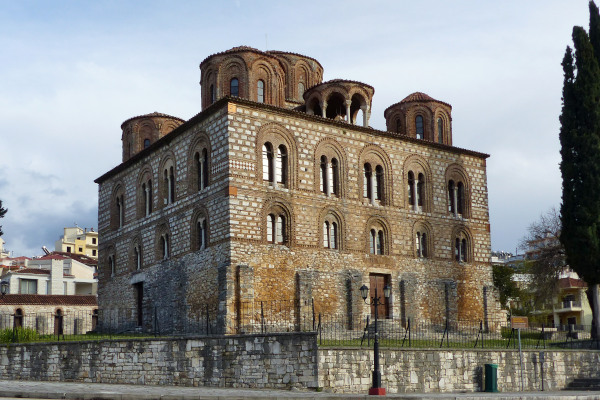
18, 335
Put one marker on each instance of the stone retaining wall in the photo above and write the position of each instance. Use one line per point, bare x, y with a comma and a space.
435, 370
252, 361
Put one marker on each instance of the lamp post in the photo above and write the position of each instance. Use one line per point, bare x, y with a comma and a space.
376, 301
4, 287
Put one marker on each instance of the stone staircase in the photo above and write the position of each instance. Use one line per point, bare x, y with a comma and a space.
584, 384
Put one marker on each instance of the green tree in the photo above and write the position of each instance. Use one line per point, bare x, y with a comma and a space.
580, 151
502, 275
2, 213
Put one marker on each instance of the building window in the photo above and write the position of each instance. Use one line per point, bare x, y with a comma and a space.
416, 190
268, 164
456, 198
18, 321
329, 176
376, 241
120, 213
367, 181
94, 253
212, 94
169, 188
137, 257
201, 160
146, 143
28, 286
234, 89
202, 233
276, 229
68, 249
331, 233
373, 183
300, 90
147, 197
111, 265
260, 91
281, 165
93, 240
164, 246
379, 183
419, 127
440, 123
421, 245
460, 248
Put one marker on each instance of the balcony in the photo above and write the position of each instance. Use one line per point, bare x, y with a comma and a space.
567, 306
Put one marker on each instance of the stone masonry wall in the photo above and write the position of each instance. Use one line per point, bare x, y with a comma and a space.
434, 370
257, 361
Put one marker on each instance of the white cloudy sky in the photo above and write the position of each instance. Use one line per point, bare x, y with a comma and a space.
72, 71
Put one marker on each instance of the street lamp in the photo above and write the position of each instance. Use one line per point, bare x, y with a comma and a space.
375, 301
4, 287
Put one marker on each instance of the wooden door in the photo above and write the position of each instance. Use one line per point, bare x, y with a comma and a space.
378, 281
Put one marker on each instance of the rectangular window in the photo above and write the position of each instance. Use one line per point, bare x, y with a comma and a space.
65, 288
48, 287
93, 240
28, 286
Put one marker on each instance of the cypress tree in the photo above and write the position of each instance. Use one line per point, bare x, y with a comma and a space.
580, 151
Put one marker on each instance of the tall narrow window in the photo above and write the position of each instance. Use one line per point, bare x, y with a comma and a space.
335, 177
201, 227
120, 210
281, 165
165, 246
260, 91
451, 197
147, 197
138, 257
300, 90
440, 123
268, 164
398, 125
326, 234
420, 191
379, 247
460, 198
372, 241
271, 228
212, 94
280, 226
324, 174
111, 265
379, 192
411, 188
421, 244
333, 236
234, 89
146, 143
204, 168
376, 241
367, 181
419, 127
171, 185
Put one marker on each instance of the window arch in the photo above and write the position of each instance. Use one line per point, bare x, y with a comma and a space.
145, 193
378, 237
440, 124
164, 246
275, 168
199, 164
117, 207
376, 176
456, 198
234, 87
276, 155
330, 176
167, 182
331, 231
461, 243
419, 127
200, 230
201, 168
423, 241
398, 125
260, 91
374, 188
278, 224
110, 261
163, 243
137, 257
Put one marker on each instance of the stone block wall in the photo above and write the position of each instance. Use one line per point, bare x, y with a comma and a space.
439, 371
256, 361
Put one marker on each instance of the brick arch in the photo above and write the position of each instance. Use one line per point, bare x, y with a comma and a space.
277, 134
200, 141
440, 112
167, 160
427, 115
201, 212
145, 129
208, 78
378, 221
330, 148
233, 67
373, 153
162, 228
302, 73
339, 216
457, 172
418, 164
278, 204
118, 191
144, 175
263, 69
460, 231
391, 122
420, 226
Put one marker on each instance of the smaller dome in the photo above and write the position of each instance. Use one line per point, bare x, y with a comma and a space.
417, 96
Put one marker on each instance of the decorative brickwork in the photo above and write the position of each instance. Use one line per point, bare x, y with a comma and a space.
293, 206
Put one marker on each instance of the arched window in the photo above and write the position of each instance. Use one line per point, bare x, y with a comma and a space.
260, 91
201, 165
379, 188
440, 123
398, 125
201, 233
18, 321
111, 265
331, 233
120, 210
368, 181
300, 90
451, 197
330, 176
420, 191
376, 241
281, 165
456, 198
276, 228
147, 197
169, 182
234, 89
460, 198
146, 143
137, 257
164, 245
460, 248
324, 175
421, 244
419, 127
267, 159
411, 188
212, 94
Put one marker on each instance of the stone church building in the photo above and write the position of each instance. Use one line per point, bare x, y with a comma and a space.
279, 190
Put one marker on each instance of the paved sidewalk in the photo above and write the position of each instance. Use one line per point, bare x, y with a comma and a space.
93, 391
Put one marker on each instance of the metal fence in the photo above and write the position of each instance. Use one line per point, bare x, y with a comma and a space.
287, 316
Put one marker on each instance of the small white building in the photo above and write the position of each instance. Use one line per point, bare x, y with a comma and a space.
78, 240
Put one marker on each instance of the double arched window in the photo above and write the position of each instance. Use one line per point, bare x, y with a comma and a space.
234, 87
164, 246
373, 182
462, 247
416, 190
330, 176
137, 257
111, 265
201, 233
456, 198
277, 228
146, 191
169, 185
376, 241
201, 168
275, 164
332, 235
